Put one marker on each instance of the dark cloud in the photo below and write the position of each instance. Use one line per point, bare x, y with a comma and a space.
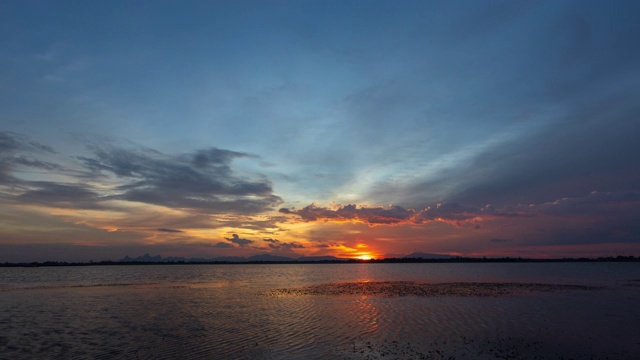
169, 230
596, 218
566, 118
278, 245
202, 182
592, 219
592, 148
601, 204
199, 182
238, 240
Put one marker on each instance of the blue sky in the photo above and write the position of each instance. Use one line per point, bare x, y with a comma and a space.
210, 117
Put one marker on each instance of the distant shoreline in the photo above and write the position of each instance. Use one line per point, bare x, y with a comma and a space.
337, 261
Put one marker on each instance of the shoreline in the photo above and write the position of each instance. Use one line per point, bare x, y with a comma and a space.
470, 260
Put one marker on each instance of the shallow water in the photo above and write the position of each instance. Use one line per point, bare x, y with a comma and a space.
220, 311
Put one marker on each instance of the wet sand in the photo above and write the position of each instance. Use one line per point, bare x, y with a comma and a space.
408, 288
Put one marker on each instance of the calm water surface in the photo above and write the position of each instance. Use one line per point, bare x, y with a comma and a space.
217, 311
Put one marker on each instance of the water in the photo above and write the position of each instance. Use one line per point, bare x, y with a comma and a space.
220, 311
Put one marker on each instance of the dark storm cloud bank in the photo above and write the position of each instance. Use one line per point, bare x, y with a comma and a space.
593, 148
592, 152
602, 218
567, 83
202, 182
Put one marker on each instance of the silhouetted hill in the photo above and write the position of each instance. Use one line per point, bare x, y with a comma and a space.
268, 257
419, 255
320, 258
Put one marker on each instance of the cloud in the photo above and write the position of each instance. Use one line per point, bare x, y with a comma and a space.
10, 142
598, 217
38, 164
278, 245
238, 240
593, 218
215, 157
370, 215
596, 203
16, 151
169, 230
201, 182
373, 215
61, 195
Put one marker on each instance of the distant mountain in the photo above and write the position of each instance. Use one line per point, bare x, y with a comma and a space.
419, 255
144, 258
268, 257
319, 258
232, 259
159, 258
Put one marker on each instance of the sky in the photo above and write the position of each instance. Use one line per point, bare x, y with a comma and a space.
354, 129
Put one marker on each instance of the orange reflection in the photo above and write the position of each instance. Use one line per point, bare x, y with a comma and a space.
368, 315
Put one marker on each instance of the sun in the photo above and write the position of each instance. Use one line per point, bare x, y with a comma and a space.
363, 257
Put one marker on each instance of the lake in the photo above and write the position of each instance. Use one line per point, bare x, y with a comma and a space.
232, 311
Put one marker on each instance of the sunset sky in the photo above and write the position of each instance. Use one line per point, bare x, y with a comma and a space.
306, 128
